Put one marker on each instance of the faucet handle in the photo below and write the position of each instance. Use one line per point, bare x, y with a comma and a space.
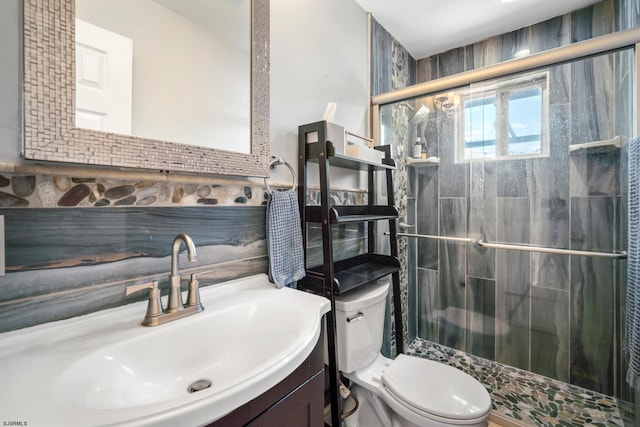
154, 307
137, 288
193, 297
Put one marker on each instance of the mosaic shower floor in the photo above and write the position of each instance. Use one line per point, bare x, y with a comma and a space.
526, 398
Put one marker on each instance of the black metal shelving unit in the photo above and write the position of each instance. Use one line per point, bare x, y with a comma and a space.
333, 278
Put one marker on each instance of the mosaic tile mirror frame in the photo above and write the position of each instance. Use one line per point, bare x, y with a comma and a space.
49, 129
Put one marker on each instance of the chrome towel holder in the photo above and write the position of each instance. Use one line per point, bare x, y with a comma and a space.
280, 161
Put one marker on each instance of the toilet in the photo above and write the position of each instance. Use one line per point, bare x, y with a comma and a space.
403, 392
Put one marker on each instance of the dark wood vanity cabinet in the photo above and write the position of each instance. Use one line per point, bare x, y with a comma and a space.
297, 401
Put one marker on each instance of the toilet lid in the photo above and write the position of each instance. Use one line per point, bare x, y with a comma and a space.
436, 388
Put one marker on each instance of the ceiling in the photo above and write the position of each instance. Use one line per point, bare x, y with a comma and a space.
426, 27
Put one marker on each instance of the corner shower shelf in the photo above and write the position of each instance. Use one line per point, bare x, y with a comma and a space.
429, 161
596, 147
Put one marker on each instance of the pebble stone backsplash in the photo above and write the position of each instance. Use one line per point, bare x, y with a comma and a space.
530, 399
44, 191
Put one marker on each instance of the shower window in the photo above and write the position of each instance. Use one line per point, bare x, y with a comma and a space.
504, 119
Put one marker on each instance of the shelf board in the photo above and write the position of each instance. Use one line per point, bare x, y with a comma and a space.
351, 273
352, 213
596, 147
430, 161
335, 159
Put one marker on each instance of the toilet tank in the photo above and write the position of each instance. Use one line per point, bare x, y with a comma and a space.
360, 324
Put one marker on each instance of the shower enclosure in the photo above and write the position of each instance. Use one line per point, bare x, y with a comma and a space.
526, 161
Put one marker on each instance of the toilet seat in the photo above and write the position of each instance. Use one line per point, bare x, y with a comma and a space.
431, 388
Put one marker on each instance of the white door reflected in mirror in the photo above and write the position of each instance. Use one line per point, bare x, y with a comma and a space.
103, 79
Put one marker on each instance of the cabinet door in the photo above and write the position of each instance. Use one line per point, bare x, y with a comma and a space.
302, 408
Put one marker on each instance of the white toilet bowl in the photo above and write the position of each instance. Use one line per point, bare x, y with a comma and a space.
405, 392
410, 391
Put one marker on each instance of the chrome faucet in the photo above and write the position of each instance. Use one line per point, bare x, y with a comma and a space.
156, 315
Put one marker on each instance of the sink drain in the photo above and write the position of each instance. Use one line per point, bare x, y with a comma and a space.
198, 385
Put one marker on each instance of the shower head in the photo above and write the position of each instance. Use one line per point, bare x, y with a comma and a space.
420, 115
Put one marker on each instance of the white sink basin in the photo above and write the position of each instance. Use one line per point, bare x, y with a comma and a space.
106, 369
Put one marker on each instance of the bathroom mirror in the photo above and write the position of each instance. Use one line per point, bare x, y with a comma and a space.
151, 68
50, 131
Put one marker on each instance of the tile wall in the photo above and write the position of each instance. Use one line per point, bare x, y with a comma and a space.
74, 241
580, 204
558, 316
392, 68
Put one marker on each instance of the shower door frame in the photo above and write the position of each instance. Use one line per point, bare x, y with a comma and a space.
580, 50
611, 43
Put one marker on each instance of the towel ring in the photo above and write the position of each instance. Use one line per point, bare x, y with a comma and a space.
273, 164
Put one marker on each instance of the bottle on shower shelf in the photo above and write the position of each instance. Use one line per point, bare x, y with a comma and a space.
423, 150
417, 148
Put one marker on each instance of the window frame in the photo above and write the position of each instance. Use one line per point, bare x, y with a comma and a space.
500, 91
